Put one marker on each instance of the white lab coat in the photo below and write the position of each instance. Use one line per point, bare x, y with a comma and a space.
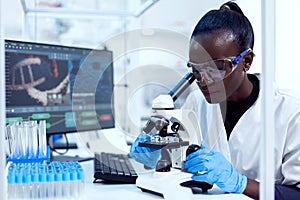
242, 149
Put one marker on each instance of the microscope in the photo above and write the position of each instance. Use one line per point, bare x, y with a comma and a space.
175, 130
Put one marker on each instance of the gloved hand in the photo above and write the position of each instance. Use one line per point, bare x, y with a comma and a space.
212, 167
145, 155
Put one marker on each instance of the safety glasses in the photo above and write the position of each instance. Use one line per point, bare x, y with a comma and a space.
217, 69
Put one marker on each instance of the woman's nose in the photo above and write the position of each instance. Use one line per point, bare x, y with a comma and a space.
203, 79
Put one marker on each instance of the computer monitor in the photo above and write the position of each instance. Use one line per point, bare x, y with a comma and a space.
69, 87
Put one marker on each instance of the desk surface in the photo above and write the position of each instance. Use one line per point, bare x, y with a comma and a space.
129, 191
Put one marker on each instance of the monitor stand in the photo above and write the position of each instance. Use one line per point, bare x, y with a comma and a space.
65, 146
63, 158
60, 145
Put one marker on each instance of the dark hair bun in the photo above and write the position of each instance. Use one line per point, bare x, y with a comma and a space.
230, 5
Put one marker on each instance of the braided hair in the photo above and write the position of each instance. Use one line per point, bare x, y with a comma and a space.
230, 18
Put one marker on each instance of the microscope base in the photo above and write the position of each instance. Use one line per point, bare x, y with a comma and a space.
167, 184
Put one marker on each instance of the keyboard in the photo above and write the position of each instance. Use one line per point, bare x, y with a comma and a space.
114, 168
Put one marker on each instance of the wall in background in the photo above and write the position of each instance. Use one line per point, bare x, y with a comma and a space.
287, 45
168, 22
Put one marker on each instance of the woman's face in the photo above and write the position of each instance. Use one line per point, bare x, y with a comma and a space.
218, 45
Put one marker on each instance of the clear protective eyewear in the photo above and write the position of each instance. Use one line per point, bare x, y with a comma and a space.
217, 69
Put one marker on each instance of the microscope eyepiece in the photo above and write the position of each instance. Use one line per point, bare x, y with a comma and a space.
183, 84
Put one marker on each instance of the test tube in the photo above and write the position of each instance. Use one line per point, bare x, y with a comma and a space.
19, 182
16, 146
33, 139
42, 139
66, 182
81, 181
50, 181
35, 182
26, 182
58, 180
8, 140
23, 138
42, 181
11, 182
30, 139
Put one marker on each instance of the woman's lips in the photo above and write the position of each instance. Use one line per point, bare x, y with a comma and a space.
208, 91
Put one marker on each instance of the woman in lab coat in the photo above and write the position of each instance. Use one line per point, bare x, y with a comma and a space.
220, 56
230, 119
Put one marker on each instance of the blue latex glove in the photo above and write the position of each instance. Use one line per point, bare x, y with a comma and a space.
145, 155
212, 167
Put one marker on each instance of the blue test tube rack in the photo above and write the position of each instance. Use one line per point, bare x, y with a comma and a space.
45, 180
29, 159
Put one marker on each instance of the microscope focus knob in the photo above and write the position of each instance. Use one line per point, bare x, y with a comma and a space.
163, 166
192, 148
191, 183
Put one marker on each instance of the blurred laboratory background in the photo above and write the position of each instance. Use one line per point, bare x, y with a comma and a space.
149, 40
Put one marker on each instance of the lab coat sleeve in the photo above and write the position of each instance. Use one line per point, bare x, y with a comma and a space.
291, 157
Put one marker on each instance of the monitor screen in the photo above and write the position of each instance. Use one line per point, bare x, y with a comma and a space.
69, 87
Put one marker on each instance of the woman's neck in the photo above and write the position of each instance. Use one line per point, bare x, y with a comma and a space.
243, 91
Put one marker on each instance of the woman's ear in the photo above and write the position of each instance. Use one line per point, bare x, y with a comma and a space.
248, 59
